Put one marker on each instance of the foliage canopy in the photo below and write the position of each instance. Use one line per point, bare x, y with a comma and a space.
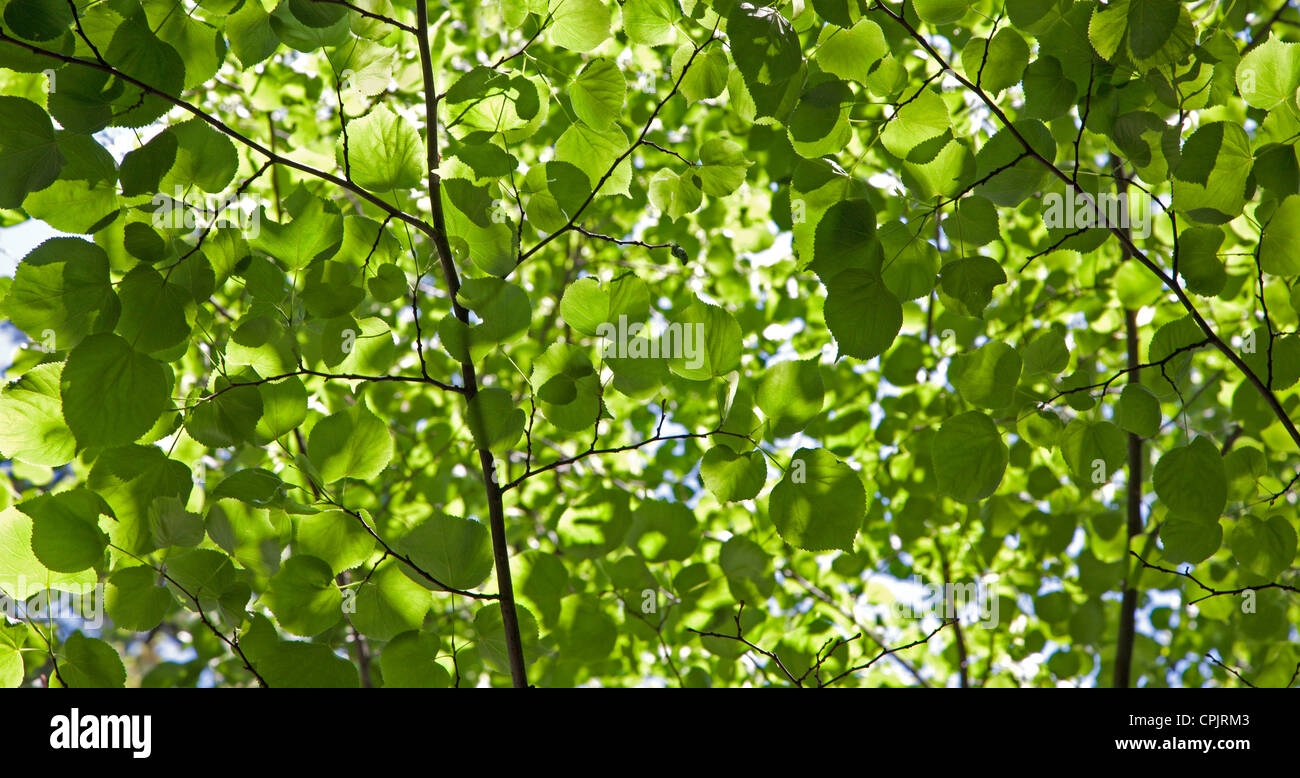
658, 341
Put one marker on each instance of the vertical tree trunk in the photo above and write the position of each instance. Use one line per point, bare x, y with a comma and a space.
496, 510
1128, 606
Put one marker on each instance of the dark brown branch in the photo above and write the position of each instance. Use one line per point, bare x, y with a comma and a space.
593, 451
390, 551
233, 643
1212, 591
496, 508
523, 257
1128, 604
580, 229
1218, 662
889, 652
816, 592
371, 14
340, 376
963, 675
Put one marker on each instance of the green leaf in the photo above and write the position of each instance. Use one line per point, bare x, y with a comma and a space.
554, 192
970, 283
65, 529
494, 420
135, 601
86, 159
1006, 181
1267, 75
82, 100
155, 312
32, 429
11, 656
1138, 411
1190, 540
585, 633
862, 314
329, 289
1210, 182
504, 309
303, 597
352, 443
250, 34
201, 573
598, 92
1151, 23
974, 222
111, 393
204, 157
594, 151
1046, 353
29, 156
708, 342
845, 239
316, 14
921, 120
59, 290
286, 664
767, 54
567, 386
585, 306
143, 168
489, 628
254, 486
820, 503
388, 604
1191, 481
1263, 549
453, 550
969, 457
1281, 235
1049, 93
229, 418
38, 20
1198, 260
650, 22
74, 206
850, 54
130, 479
284, 407
1094, 451
171, 525
18, 562
336, 537
481, 232
791, 395
997, 63
409, 662
89, 663
941, 11
748, 569
987, 376
138, 52
722, 167
315, 233
384, 150
733, 476
579, 25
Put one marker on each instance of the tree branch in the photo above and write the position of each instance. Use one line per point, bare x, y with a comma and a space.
496, 509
